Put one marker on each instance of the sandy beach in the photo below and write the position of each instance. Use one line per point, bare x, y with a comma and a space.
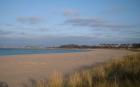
18, 69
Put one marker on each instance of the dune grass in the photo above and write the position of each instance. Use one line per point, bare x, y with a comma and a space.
119, 73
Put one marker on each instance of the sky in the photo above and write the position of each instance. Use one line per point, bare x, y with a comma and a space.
58, 22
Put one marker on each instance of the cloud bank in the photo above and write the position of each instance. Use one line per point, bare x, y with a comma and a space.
94, 22
71, 12
29, 20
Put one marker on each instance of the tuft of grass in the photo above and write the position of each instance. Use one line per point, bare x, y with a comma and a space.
87, 78
75, 80
41, 83
56, 80
119, 73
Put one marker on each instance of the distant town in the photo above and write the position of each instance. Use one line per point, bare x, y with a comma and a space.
134, 45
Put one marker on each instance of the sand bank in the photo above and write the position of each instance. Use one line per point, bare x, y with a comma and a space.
17, 69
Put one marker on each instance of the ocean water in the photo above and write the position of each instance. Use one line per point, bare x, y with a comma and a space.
4, 52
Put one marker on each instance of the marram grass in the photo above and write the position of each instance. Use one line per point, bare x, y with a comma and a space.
119, 73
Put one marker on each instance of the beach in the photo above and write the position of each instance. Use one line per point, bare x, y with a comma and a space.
17, 70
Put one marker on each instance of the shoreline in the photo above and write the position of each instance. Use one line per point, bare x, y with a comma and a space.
44, 51
45, 54
80, 51
17, 69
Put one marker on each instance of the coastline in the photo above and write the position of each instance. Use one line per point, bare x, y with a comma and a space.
17, 69
14, 51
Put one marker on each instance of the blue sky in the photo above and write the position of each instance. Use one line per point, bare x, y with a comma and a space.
56, 22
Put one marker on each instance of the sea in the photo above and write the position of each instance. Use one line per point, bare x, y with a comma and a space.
11, 51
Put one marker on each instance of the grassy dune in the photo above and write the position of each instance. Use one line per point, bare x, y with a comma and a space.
119, 73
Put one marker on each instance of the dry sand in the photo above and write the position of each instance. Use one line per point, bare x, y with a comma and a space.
18, 69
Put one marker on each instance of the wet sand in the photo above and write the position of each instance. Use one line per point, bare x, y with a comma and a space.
18, 69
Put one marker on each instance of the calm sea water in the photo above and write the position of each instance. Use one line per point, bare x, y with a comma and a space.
4, 52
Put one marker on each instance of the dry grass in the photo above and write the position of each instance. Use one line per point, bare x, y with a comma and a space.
56, 80
120, 73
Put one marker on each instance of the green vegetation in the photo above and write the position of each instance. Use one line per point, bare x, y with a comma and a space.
120, 73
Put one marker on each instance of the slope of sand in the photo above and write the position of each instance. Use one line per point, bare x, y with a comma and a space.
16, 70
